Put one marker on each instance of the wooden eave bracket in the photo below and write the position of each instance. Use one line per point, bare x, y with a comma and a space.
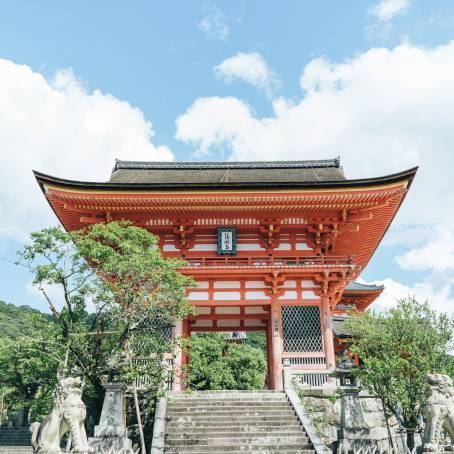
270, 229
275, 280
184, 232
333, 285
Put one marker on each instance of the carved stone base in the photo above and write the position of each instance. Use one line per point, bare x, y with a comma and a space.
111, 432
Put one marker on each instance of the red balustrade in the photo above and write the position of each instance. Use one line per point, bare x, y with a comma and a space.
270, 262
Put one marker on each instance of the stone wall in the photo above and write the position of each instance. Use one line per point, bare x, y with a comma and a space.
350, 420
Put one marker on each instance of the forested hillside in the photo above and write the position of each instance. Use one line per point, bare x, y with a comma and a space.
13, 318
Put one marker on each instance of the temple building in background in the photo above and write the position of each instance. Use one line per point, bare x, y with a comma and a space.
273, 246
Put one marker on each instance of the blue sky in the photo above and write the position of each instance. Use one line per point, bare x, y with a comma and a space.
84, 82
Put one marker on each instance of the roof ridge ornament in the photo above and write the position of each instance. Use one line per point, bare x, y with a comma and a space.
201, 165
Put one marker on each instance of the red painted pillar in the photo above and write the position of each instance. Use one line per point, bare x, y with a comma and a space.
276, 343
327, 331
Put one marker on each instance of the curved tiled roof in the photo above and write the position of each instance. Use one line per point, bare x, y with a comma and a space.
358, 287
226, 173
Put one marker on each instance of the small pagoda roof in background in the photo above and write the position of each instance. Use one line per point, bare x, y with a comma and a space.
213, 172
358, 287
339, 327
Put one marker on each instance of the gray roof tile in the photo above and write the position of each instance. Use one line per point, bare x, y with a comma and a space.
223, 173
357, 286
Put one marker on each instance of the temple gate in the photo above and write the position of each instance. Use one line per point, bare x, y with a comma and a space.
273, 246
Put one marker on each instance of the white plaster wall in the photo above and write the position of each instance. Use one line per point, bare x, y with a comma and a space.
283, 247
203, 310
289, 295
257, 295
198, 296
204, 247
309, 294
227, 310
255, 310
255, 284
169, 248
289, 284
222, 296
227, 284
306, 284
249, 247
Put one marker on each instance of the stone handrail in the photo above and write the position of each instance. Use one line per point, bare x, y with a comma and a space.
319, 446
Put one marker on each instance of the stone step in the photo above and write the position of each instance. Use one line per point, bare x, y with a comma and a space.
261, 451
243, 392
239, 420
214, 406
227, 398
16, 450
15, 442
228, 403
235, 429
226, 422
250, 438
232, 435
228, 448
230, 413
15, 434
200, 396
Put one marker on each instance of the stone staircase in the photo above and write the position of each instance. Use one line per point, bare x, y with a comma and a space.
15, 440
221, 422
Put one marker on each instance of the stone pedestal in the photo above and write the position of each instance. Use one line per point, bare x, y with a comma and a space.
111, 431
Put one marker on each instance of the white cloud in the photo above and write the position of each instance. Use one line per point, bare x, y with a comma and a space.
214, 23
383, 111
59, 127
249, 67
386, 10
438, 296
437, 253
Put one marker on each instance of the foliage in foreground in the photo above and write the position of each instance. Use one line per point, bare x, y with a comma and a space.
113, 298
397, 349
28, 368
218, 364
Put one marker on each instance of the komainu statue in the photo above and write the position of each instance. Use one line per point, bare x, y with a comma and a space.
439, 411
68, 415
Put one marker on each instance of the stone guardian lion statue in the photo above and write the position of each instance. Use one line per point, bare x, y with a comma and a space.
439, 411
68, 415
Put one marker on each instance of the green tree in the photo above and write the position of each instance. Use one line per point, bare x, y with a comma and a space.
28, 368
117, 300
397, 349
256, 339
218, 364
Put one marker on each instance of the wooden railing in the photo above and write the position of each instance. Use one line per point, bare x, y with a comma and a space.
270, 262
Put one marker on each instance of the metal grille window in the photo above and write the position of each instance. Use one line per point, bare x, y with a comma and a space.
301, 329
